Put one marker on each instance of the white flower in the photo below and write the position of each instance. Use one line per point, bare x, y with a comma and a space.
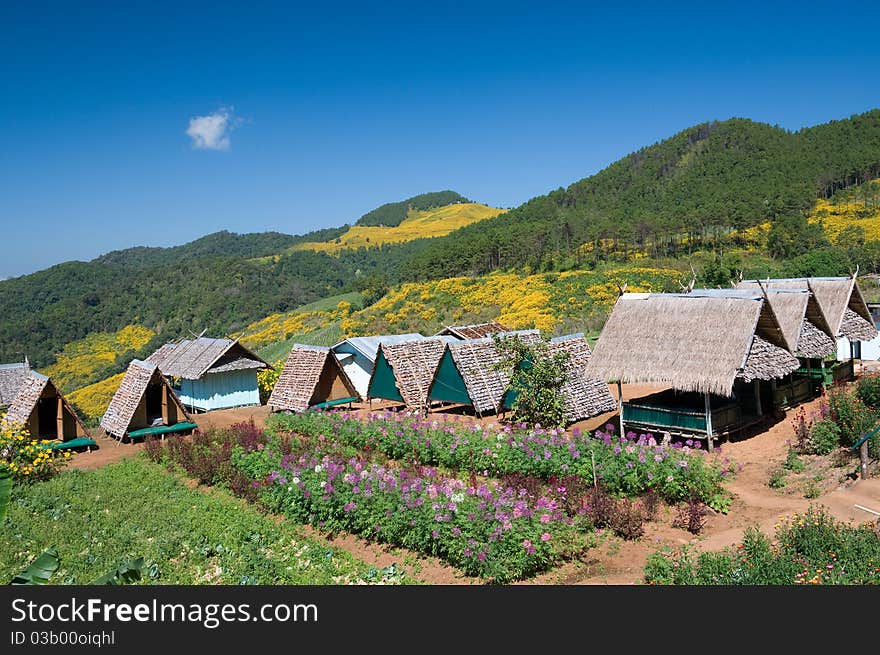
295, 480
318, 468
290, 488
323, 483
364, 475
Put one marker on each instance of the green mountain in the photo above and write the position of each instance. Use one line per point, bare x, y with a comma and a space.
393, 214
695, 187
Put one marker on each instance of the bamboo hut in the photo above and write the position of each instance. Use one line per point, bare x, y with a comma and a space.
32, 400
477, 331
145, 405
707, 351
466, 373
403, 371
312, 377
211, 373
358, 356
584, 396
846, 314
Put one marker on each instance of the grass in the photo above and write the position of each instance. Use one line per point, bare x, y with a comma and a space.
135, 508
418, 225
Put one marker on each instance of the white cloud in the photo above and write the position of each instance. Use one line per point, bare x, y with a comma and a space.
212, 132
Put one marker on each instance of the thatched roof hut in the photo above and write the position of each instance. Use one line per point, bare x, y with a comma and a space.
477, 331
144, 399
691, 343
466, 373
403, 371
42, 408
214, 373
839, 299
800, 318
358, 356
311, 375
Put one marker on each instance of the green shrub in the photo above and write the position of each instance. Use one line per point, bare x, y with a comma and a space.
825, 436
852, 416
868, 390
777, 479
810, 548
794, 463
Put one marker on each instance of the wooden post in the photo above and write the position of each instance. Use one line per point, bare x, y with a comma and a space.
165, 404
757, 384
863, 458
59, 419
620, 405
709, 443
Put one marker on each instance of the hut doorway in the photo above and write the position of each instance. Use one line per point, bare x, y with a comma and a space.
153, 403
47, 419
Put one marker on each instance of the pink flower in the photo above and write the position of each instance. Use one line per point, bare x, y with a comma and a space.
545, 536
545, 518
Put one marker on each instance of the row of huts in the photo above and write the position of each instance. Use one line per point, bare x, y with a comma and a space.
724, 358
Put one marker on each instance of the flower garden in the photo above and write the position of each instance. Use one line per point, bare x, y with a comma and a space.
501, 503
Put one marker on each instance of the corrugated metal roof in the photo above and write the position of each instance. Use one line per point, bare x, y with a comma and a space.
369, 346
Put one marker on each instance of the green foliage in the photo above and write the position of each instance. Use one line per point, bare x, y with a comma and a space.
5, 492
393, 214
536, 377
868, 390
40, 570
851, 415
128, 572
372, 287
810, 548
720, 271
777, 479
825, 437
791, 236
133, 508
821, 262
793, 463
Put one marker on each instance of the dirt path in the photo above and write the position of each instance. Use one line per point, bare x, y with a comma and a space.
613, 561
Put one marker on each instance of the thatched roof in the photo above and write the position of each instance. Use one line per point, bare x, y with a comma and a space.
477, 331
475, 359
29, 393
835, 295
796, 310
299, 377
691, 343
193, 358
129, 395
584, 396
414, 364
12, 376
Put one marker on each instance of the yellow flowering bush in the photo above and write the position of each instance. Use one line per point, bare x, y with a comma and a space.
27, 459
837, 216
267, 378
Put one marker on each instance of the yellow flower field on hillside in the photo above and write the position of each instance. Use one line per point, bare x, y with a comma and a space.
837, 216
92, 401
278, 327
80, 360
418, 225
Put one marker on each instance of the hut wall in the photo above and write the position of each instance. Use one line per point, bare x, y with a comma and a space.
329, 386
221, 390
358, 367
139, 419
448, 385
382, 382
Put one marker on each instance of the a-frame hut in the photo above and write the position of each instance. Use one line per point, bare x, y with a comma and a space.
584, 396
33, 400
312, 377
706, 351
145, 405
807, 335
403, 371
466, 373
476, 331
358, 356
211, 373
845, 312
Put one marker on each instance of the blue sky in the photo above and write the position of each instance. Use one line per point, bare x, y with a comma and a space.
333, 109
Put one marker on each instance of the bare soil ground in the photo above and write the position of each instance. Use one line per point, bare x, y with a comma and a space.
615, 561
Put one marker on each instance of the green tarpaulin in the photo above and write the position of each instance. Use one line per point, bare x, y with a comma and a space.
382, 383
162, 429
448, 385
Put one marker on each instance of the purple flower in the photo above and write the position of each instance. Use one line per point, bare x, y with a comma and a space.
481, 556
348, 507
545, 536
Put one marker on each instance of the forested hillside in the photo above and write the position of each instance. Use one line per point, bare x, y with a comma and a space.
696, 189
